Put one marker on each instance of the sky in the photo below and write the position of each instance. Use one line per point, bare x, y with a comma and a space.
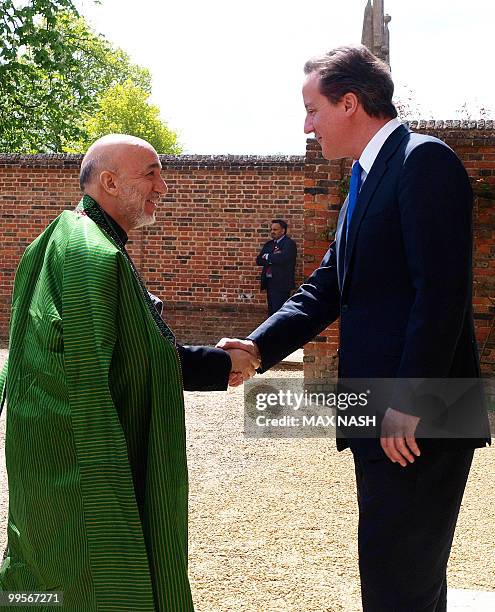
227, 75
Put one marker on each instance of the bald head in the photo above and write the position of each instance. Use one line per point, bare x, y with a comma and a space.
123, 174
105, 154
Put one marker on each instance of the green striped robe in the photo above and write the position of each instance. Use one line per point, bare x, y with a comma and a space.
95, 443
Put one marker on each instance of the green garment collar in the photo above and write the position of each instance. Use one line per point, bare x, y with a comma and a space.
89, 207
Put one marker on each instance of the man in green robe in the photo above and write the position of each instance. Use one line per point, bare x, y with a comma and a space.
95, 443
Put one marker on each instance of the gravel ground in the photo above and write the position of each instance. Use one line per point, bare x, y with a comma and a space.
273, 522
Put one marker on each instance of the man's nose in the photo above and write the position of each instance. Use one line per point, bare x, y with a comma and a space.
161, 186
308, 125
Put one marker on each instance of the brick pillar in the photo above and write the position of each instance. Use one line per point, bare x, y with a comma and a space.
482, 170
325, 188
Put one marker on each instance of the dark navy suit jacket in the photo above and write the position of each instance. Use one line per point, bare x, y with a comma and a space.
282, 263
402, 288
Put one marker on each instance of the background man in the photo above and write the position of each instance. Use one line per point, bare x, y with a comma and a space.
278, 258
399, 277
95, 442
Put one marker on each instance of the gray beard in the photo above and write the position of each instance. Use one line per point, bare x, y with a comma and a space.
135, 217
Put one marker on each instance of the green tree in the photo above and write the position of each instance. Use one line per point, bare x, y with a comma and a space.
124, 109
53, 70
20, 30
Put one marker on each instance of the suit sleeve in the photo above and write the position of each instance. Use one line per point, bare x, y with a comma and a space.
260, 261
435, 200
311, 309
436, 206
204, 368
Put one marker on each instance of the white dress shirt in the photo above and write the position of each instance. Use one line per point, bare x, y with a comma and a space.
373, 147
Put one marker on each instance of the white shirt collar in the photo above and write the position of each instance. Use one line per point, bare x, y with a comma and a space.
373, 147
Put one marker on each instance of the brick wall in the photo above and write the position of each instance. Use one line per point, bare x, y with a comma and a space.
198, 257
325, 188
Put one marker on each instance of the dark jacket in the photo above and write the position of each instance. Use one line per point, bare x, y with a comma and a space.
402, 285
203, 368
282, 261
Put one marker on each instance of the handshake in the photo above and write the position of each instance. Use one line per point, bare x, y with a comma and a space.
245, 357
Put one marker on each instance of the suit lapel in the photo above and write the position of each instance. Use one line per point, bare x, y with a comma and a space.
340, 242
372, 181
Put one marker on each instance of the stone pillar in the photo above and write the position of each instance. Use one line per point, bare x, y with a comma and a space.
375, 30
367, 36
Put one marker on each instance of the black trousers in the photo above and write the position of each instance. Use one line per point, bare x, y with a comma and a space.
407, 518
275, 298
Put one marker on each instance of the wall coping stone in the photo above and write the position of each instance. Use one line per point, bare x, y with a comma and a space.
481, 125
451, 124
70, 160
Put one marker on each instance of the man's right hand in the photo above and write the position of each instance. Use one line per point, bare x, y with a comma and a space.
236, 378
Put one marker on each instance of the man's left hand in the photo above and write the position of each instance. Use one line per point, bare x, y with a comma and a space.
398, 440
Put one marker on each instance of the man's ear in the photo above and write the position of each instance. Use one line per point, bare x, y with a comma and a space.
108, 183
351, 103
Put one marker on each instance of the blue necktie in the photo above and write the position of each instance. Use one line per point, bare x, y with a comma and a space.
353, 192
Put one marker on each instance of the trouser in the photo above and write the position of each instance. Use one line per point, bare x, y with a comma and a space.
407, 518
275, 299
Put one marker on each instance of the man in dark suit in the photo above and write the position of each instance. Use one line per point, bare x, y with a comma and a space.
278, 258
398, 275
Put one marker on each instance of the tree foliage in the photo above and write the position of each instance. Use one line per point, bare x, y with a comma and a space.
20, 31
53, 70
124, 109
